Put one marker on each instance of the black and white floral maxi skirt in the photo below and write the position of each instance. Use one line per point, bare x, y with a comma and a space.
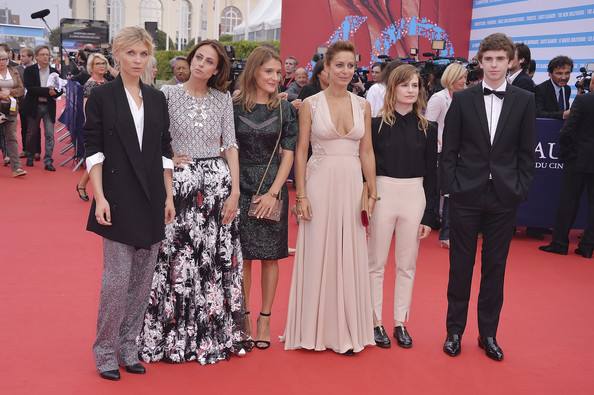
195, 310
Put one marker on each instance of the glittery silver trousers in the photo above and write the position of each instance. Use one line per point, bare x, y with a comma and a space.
127, 277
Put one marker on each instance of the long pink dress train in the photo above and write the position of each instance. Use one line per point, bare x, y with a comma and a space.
330, 302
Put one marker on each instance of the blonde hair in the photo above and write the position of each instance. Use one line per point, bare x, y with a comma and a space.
92, 58
247, 80
131, 35
452, 73
402, 74
147, 76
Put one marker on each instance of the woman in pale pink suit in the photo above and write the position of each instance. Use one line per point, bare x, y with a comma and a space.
330, 302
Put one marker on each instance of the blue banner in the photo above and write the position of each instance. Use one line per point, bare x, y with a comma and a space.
540, 209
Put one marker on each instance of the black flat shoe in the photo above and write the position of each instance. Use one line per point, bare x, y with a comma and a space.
50, 167
492, 349
585, 252
137, 368
381, 337
452, 345
554, 248
403, 339
82, 193
113, 375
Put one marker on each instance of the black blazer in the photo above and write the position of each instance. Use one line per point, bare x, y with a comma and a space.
547, 102
32, 83
467, 156
132, 179
524, 81
577, 135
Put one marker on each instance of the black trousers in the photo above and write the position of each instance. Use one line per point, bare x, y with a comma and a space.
37, 148
496, 222
572, 188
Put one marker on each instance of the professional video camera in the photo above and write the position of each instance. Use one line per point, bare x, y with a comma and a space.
237, 65
583, 80
475, 73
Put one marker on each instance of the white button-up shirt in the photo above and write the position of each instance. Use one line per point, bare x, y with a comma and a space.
493, 106
138, 117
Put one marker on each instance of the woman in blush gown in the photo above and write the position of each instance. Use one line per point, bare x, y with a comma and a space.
330, 303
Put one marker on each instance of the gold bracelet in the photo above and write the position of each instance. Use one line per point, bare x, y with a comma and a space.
300, 197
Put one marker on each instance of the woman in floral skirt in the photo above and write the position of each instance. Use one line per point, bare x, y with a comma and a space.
196, 305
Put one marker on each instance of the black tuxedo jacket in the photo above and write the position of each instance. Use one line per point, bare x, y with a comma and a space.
32, 83
132, 179
577, 135
547, 102
467, 156
524, 81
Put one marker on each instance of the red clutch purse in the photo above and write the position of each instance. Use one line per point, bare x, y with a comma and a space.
365, 206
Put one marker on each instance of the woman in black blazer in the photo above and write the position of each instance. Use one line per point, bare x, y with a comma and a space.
128, 149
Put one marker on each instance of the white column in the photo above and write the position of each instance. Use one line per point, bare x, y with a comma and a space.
246, 20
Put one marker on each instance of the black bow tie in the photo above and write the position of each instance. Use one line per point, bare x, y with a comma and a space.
499, 94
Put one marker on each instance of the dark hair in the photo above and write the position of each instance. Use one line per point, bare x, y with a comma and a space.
338, 46
381, 65
388, 68
82, 55
220, 80
496, 42
523, 52
315, 74
559, 61
40, 47
7, 49
532, 66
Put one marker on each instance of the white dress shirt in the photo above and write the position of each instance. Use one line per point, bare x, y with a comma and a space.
557, 89
493, 106
138, 117
375, 97
437, 108
513, 76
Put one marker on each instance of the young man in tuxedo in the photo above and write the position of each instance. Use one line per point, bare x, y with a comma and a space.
487, 164
577, 151
552, 96
518, 72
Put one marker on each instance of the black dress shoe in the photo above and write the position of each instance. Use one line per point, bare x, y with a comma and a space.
535, 233
554, 248
452, 345
402, 337
29, 162
583, 251
113, 375
381, 337
137, 368
492, 349
348, 353
50, 167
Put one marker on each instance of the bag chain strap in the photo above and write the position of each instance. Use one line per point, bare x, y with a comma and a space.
280, 109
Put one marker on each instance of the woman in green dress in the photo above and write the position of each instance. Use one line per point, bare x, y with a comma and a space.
265, 160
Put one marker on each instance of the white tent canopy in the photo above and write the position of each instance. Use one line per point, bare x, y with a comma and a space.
264, 22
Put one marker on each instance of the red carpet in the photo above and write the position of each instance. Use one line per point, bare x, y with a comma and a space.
49, 291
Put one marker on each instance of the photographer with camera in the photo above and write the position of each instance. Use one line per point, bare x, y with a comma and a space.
577, 150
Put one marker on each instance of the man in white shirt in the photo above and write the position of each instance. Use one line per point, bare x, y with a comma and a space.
486, 166
518, 72
40, 104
